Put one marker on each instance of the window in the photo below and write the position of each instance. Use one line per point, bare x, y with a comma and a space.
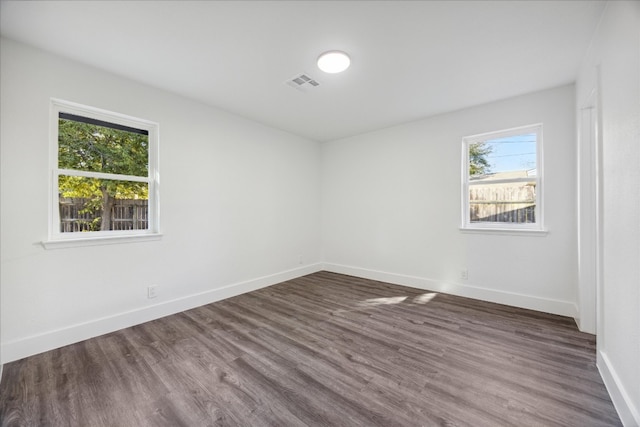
502, 180
105, 174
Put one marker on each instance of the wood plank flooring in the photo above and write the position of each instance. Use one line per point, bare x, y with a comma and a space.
320, 350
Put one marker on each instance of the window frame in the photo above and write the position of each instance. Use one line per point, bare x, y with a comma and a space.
504, 227
57, 238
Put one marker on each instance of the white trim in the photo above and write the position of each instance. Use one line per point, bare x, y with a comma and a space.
547, 305
628, 412
538, 178
100, 114
500, 133
500, 181
100, 240
29, 346
589, 175
100, 175
152, 179
530, 232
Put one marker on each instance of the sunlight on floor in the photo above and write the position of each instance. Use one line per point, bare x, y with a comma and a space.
420, 299
424, 298
381, 301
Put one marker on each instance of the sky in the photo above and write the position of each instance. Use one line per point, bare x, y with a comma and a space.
512, 153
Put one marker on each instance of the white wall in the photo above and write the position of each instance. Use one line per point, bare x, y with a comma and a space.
239, 206
391, 207
612, 66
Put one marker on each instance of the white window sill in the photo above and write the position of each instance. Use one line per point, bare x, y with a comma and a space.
97, 241
505, 231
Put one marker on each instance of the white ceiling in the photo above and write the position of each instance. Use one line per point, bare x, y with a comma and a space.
410, 59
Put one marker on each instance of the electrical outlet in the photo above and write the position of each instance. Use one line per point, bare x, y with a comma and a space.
300, 260
152, 291
464, 274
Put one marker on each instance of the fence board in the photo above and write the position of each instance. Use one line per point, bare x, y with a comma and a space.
514, 203
125, 215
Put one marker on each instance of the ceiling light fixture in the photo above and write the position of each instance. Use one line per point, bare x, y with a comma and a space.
334, 61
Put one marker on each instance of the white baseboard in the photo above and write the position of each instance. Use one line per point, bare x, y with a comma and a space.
563, 308
24, 347
628, 411
18, 349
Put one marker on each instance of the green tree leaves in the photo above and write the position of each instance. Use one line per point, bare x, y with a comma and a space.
94, 148
478, 163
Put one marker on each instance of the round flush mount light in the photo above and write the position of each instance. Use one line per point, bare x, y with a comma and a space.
334, 61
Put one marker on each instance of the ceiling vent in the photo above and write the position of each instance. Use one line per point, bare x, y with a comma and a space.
302, 82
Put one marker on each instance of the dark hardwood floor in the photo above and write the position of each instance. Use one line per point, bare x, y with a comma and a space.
321, 350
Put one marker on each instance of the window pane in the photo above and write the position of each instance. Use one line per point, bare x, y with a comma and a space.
499, 155
90, 204
502, 202
90, 145
493, 163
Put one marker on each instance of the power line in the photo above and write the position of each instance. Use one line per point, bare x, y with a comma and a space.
511, 155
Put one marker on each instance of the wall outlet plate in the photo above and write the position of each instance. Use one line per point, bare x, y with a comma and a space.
152, 291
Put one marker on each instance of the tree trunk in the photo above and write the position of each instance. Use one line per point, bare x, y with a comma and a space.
107, 205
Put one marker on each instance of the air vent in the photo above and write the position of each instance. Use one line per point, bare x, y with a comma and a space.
302, 82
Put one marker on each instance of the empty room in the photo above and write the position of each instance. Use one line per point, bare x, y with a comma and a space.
320, 213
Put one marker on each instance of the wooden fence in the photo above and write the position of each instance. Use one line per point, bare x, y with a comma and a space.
513, 203
126, 214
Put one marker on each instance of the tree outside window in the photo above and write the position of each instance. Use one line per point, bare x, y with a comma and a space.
105, 175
